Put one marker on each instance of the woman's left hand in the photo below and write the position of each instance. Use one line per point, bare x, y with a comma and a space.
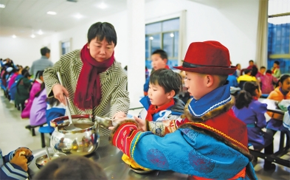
119, 115
117, 118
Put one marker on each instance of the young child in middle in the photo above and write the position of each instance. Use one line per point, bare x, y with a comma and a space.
160, 106
251, 111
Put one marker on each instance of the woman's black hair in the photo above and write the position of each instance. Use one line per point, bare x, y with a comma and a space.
244, 98
41, 89
167, 79
101, 30
282, 79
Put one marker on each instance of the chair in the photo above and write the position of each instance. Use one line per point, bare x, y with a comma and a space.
45, 129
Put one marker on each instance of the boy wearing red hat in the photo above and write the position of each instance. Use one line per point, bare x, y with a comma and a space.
212, 142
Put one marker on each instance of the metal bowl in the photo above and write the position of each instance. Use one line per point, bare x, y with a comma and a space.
81, 141
43, 160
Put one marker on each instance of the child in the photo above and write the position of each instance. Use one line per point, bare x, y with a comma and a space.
281, 92
212, 143
267, 82
261, 73
71, 167
276, 70
237, 73
159, 61
22, 89
36, 87
160, 105
14, 165
38, 108
251, 112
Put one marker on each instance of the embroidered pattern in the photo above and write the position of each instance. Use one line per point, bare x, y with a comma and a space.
157, 158
200, 163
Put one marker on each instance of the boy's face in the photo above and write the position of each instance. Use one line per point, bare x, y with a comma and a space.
157, 95
158, 62
196, 84
275, 65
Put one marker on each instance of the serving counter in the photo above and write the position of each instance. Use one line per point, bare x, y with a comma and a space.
109, 158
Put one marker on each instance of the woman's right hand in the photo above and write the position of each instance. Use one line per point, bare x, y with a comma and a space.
59, 92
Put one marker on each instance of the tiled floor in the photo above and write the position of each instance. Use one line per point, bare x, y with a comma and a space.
13, 134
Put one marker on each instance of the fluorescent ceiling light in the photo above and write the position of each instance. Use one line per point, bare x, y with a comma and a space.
2, 6
78, 16
151, 38
171, 35
102, 5
32, 36
14, 36
51, 12
40, 32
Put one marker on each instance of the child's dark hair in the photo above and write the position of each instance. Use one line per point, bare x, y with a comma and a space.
269, 71
167, 79
262, 67
71, 167
25, 73
244, 98
161, 52
41, 89
282, 79
38, 74
277, 62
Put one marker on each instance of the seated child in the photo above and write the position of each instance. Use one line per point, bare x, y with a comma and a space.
14, 165
267, 82
251, 111
211, 143
160, 105
38, 107
22, 89
36, 87
71, 167
281, 92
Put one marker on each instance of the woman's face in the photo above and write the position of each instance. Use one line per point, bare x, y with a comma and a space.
101, 50
286, 85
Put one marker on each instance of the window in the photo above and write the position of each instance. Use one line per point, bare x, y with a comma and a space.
65, 46
279, 34
162, 35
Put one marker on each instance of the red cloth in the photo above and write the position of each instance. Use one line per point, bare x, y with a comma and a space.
153, 109
88, 90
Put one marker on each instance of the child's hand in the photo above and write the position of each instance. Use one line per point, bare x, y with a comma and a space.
20, 161
141, 123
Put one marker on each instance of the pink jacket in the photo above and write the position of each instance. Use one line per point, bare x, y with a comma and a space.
12, 79
267, 82
35, 88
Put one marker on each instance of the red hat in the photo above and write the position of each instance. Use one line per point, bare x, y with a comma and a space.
208, 57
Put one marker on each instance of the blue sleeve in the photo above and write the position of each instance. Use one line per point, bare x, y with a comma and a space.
189, 152
260, 109
146, 85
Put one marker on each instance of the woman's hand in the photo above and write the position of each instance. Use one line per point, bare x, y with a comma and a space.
59, 92
117, 118
141, 124
119, 115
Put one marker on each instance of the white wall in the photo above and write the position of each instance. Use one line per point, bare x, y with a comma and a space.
232, 22
22, 51
79, 37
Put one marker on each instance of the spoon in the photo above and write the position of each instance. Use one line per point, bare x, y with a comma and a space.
47, 153
71, 125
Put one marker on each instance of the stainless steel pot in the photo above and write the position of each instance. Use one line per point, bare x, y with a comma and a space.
81, 141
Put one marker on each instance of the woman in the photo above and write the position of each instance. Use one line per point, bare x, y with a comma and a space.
92, 79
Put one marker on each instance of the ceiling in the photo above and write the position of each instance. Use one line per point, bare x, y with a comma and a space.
26, 17
23, 18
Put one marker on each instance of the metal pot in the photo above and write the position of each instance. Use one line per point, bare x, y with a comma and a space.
81, 141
